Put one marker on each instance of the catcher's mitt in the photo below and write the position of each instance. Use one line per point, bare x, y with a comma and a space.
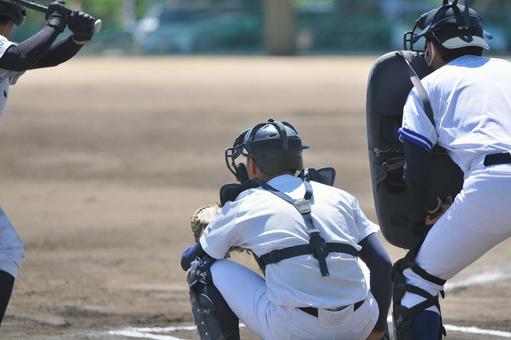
202, 217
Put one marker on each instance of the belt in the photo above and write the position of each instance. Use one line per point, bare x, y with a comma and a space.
314, 311
497, 158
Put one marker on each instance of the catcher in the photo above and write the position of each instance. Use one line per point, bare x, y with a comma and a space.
36, 52
308, 239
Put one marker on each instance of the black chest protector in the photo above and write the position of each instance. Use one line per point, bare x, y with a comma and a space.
317, 245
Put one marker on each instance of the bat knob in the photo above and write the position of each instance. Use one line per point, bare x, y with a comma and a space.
97, 25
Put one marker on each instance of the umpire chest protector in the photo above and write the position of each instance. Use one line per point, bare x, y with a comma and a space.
400, 217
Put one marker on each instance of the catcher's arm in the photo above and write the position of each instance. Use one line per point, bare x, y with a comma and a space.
198, 222
190, 254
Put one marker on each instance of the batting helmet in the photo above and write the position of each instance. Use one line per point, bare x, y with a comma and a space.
451, 25
13, 11
275, 146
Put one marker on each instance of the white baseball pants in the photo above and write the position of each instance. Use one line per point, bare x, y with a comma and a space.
245, 293
478, 220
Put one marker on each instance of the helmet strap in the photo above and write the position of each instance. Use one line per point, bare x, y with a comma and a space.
467, 14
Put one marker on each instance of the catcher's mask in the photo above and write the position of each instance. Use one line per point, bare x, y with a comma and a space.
451, 25
13, 10
275, 146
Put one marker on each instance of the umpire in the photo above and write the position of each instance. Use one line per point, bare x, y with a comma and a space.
470, 99
39, 51
309, 239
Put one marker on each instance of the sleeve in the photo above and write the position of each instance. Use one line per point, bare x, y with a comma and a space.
13, 78
20, 57
378, 261
364, 225
4, 45
58, 53
416, 126
416, 175
222, 233
190, 254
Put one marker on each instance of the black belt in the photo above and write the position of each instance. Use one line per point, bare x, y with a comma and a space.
314, 311
497, 158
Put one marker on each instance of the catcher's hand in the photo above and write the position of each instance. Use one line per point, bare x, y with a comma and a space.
201, 218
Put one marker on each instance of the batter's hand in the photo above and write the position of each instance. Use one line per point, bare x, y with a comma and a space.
82, 25
434, 215
57, 15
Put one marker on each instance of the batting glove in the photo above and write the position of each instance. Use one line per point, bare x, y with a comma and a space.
57, 15
82, 26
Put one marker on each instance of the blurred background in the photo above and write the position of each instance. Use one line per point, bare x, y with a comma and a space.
275, 27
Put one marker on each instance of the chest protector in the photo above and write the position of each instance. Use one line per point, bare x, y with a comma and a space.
400, 217
317, 245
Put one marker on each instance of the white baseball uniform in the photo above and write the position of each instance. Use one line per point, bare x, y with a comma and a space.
471, 101
262, 222
11, 246
7, 77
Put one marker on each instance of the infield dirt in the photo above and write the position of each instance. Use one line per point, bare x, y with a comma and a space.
104, 160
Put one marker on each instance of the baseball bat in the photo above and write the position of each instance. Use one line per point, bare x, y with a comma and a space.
43, 9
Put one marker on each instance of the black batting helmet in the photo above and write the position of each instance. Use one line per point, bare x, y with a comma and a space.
275, 146
12, 10
451, 25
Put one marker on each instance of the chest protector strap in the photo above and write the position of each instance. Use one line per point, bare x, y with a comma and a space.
317, 246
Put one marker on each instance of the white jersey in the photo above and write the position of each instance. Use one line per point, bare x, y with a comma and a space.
471, 102
260, 221
7, 77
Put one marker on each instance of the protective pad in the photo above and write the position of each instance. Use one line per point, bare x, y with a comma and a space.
403, 317
211, 314
325, 175
400, 217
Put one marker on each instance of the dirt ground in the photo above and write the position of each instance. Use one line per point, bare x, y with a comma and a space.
104, 160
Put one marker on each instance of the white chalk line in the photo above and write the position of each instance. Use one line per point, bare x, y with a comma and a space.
497, 274
146, 332
476, 330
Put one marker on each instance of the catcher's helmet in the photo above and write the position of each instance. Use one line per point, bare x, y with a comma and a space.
451, 25
14, 11
275, 146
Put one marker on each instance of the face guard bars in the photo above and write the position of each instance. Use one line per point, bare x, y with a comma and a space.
232, 153
241, 146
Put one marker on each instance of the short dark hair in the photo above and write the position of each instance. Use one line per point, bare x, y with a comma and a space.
451, 54
4, 20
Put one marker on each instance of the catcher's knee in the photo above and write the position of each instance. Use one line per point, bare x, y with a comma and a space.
403, 316
211, 314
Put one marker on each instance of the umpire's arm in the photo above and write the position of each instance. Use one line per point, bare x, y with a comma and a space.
379, 264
